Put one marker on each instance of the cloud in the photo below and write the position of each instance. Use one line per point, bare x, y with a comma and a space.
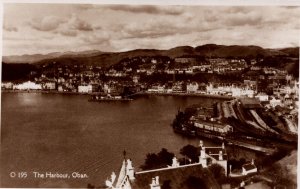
149, 9
239, 9
67, 32
10, 28
291, 7
242, 19
73, 26
64, 26
47, 23
149, 29
119, 27
96, 38
76, 24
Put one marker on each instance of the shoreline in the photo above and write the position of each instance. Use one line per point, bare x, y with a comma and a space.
43, 92
137, 94
189, 95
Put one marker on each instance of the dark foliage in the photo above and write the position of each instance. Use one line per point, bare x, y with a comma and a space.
236, 164
159, 160
217, 171
89, 186
17, 72
191, 152
195, 183
166, 184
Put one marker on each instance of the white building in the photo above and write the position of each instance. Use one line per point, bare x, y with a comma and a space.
233, 90
263, 97
28, 86
275, 102
249, 168
215, 127
6, 85
192, 87
49, 85
85, 88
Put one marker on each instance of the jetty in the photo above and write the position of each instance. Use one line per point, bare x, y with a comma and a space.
251, 146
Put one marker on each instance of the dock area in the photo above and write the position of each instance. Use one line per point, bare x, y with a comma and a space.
251, 146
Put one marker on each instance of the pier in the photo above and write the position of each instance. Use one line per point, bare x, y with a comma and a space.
250, 146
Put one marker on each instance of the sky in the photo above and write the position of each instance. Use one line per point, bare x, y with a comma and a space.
33, 28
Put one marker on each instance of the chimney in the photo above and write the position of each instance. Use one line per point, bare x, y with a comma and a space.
155, 183
175, 163
201, 143
220, 155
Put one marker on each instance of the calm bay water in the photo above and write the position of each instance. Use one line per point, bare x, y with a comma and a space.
66, 133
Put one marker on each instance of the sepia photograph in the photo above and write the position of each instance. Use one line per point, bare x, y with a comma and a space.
149, 95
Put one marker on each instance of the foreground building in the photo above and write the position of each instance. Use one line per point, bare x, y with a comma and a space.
173, 176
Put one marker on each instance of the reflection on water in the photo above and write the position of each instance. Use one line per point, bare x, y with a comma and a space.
66, 133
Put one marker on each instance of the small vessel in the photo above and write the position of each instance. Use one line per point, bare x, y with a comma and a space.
109, 97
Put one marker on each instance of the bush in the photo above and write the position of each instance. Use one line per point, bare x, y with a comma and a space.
191, 152
159, 160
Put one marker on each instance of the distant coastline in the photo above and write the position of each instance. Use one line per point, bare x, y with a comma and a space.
190, 94
138, 94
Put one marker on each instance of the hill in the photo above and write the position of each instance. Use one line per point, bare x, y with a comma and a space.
106, 59
39, 57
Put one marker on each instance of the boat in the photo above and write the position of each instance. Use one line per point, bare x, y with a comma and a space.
99, 98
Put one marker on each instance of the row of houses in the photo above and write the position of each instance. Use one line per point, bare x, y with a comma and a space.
210, 89
66, 87
29, 85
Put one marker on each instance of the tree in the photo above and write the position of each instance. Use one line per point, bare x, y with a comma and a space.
151, 161
191, 152
165, 157
166, 184
89, 186
217, 170
195, 183
159, 160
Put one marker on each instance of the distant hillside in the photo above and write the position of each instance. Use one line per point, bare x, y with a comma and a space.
293, 52
39, 57
105, 59
236, 51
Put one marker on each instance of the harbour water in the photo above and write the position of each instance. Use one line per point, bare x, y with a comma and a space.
65, 133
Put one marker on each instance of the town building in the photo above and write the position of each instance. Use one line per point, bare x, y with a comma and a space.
249, 168
6, 85
28, 86
173, 175
213, 126
192, 87
232, 90
275, 102
85, 88
49, 86
263, 97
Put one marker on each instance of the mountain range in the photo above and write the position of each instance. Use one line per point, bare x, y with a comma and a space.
104, 59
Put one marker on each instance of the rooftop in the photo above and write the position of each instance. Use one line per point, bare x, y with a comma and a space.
250, 103
175, 177
249, 166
